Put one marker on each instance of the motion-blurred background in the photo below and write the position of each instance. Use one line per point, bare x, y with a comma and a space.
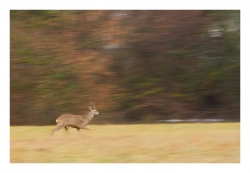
137, 66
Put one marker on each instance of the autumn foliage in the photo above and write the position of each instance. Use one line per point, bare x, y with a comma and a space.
137, 66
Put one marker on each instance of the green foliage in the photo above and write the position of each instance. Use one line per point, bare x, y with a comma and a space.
177, 53
149, 93
147, 83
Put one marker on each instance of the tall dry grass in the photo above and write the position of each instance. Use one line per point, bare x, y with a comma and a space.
144, 143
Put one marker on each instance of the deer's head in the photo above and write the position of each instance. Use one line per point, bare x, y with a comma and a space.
93, 109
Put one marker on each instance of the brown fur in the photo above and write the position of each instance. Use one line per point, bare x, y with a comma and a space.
75, 121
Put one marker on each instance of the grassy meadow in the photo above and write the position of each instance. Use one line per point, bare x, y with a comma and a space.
139, 143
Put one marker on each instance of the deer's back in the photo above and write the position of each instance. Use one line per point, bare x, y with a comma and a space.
71, 119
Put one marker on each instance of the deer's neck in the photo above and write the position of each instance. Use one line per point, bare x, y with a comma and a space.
90, 115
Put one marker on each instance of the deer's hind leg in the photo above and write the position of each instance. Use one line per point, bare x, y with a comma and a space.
66, 128
58, 127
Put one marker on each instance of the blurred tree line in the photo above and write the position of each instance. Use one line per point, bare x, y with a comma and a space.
137, 66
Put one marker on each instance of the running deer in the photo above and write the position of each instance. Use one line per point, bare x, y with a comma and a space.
76, 121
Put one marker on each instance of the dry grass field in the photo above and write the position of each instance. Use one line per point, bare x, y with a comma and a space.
140, 143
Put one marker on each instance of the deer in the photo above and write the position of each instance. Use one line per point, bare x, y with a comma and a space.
76, 121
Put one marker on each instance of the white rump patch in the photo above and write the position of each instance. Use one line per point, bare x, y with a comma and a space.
57, 120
